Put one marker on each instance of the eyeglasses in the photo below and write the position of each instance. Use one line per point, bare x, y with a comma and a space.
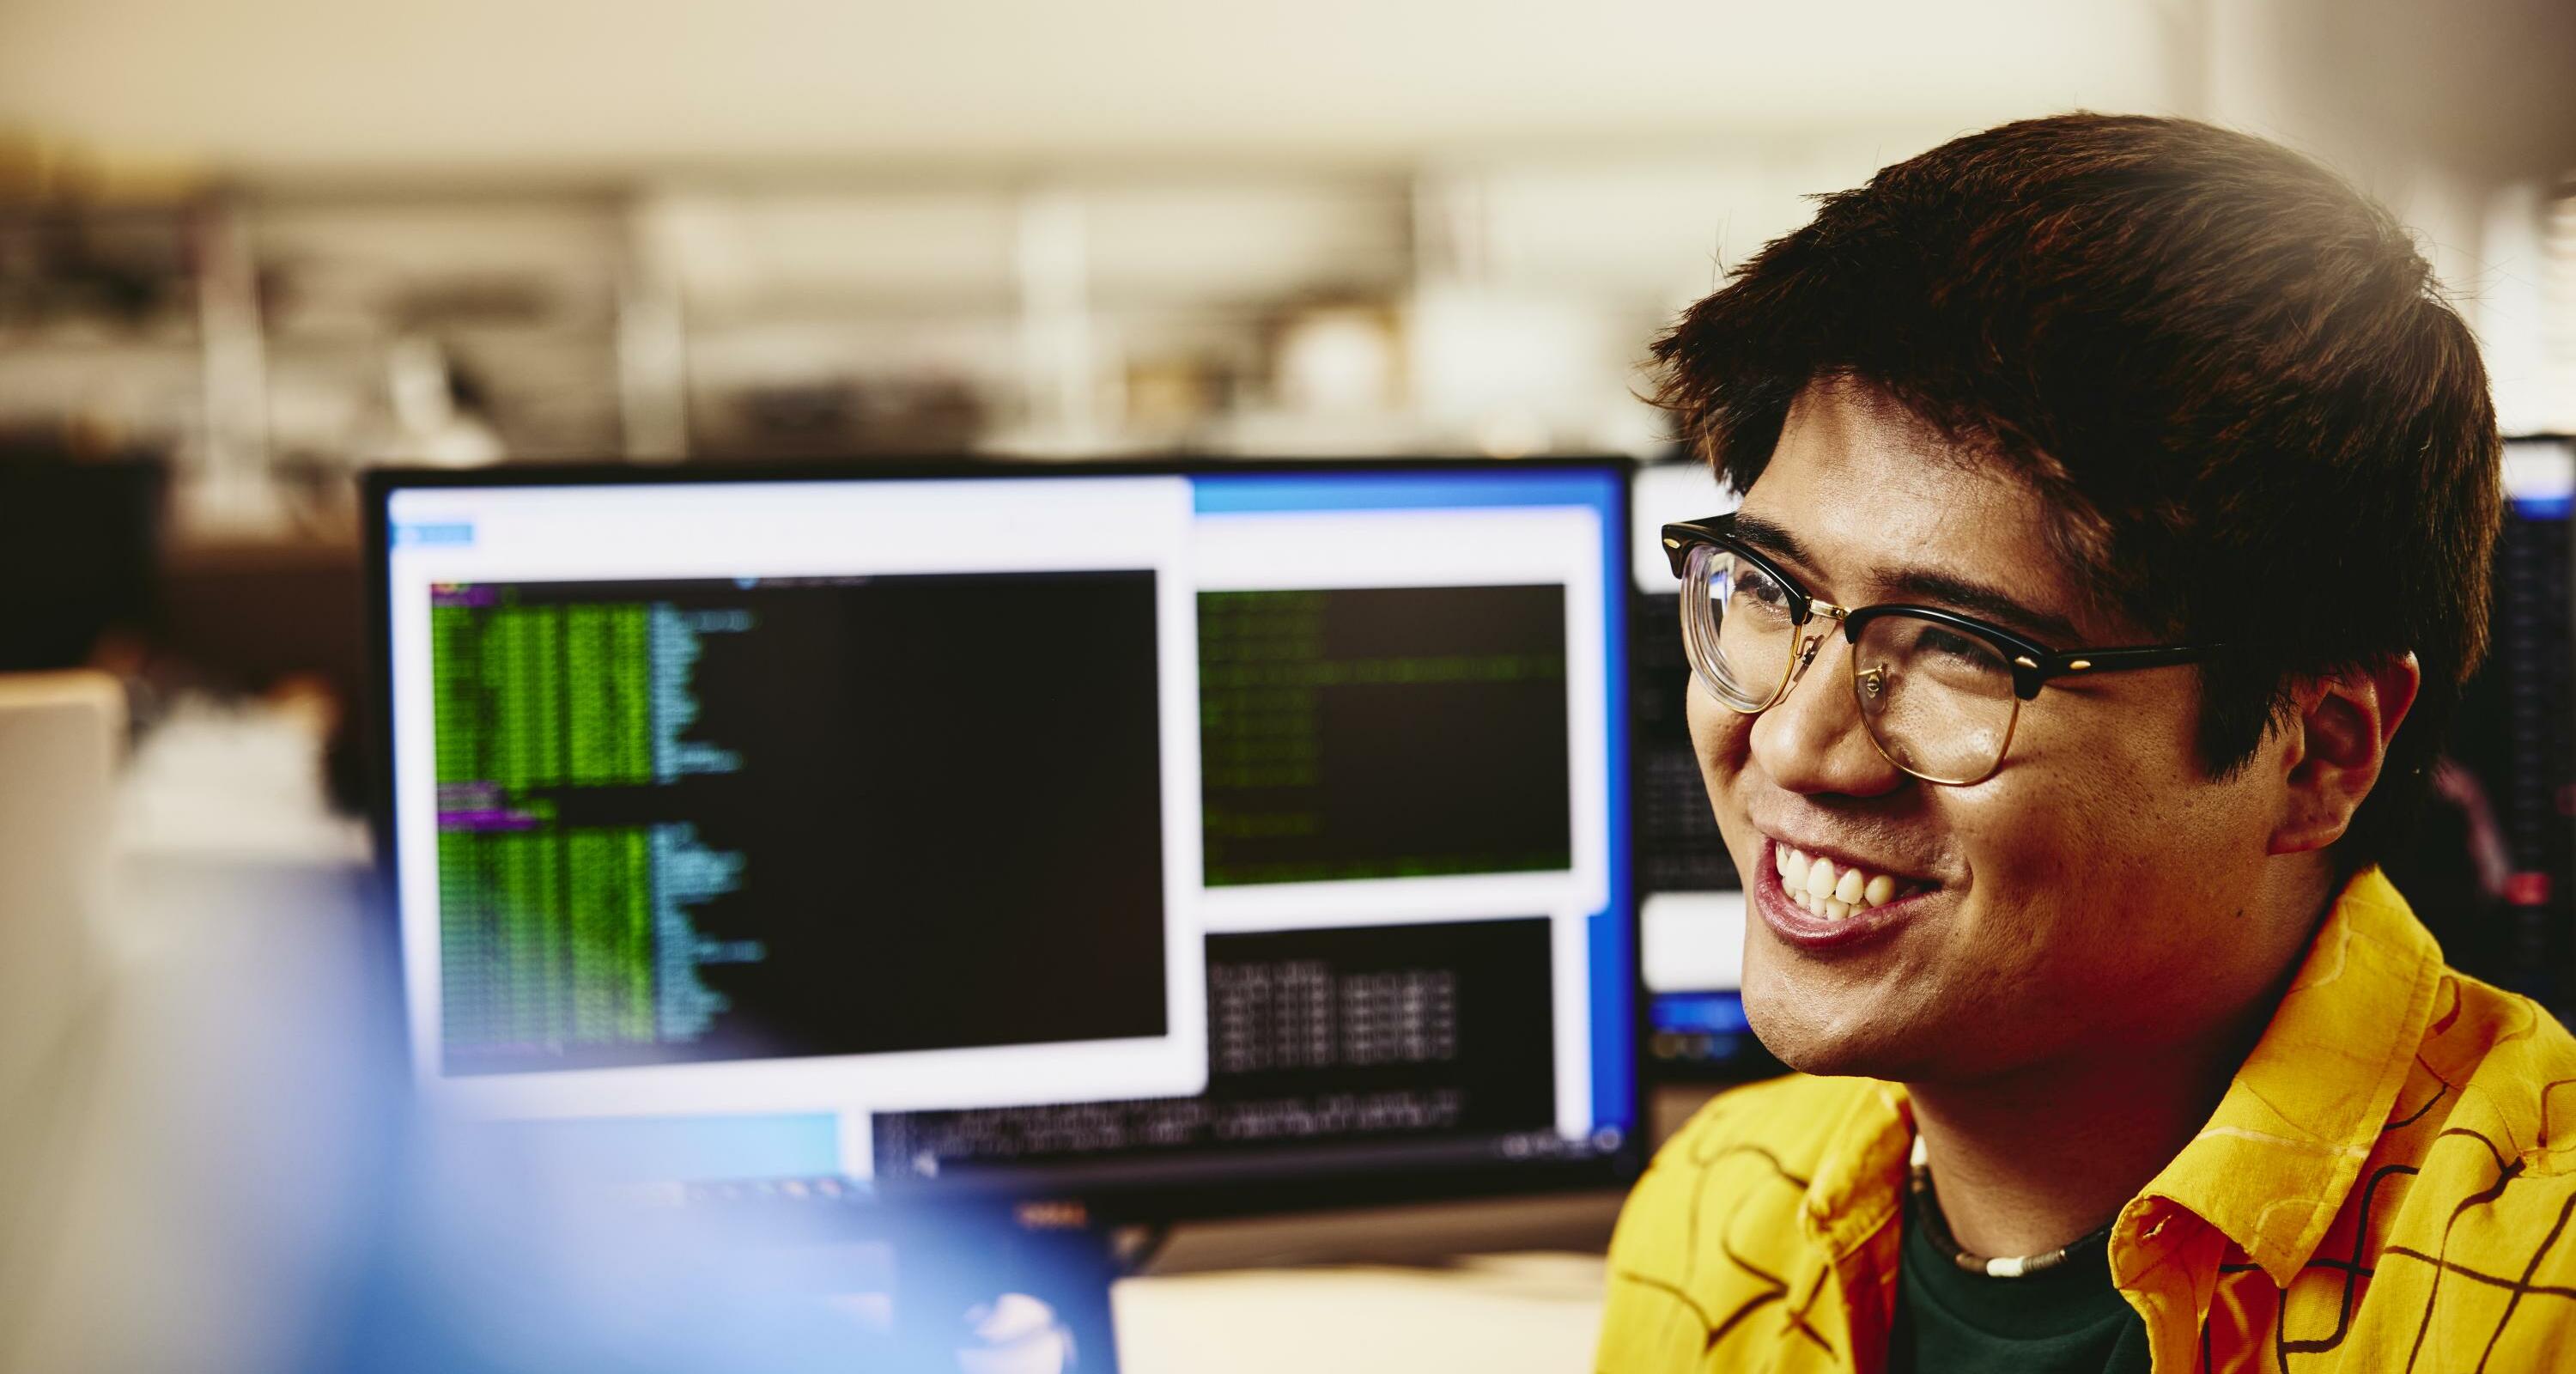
1938, 691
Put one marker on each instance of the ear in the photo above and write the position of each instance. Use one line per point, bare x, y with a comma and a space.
2338, 739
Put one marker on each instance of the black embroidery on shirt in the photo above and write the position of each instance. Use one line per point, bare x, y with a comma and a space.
1718, 1332
1676, 1291
2545, 1090
2353, 1273
1779, 1287
1798, 1321
1716, 1329
2506, 1173
2418, 1114
2544, 1290
1740, 1148
2443, 1023
1726, 1246
2281, 1327
2524, 1288
2354, 1270
1699, 1187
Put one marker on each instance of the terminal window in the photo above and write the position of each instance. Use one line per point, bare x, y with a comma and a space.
712, 820
1402, 1034
1383, 732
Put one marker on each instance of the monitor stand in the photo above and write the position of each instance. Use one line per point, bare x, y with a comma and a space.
1017, 1288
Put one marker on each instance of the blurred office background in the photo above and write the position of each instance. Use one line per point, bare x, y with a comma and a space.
269, 240
248, 248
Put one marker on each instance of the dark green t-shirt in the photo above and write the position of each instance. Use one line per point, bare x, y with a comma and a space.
2066, 1320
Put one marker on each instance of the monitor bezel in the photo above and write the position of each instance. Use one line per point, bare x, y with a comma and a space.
1243, 1194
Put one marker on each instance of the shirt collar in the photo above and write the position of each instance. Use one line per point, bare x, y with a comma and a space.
2272, 1167
2274, 1164
1859, 1186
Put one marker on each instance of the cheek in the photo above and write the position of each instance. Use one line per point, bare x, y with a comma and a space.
1720, 737
1722, 740
2051, 840
2093, 859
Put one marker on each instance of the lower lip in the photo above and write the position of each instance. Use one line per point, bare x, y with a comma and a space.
1796, 925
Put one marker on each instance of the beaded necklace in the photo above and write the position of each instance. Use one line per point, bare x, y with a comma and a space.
1937, 1229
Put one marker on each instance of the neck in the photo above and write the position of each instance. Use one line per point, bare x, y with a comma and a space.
2029, 1161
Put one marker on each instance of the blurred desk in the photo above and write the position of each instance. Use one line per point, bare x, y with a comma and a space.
1496, 1284
1529, 1311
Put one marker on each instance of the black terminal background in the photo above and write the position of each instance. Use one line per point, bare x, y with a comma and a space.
1424, 777
950, 808
1679, 848
1504, 1072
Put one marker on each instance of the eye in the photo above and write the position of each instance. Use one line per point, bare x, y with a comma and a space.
1956, 654
1757, 589
1951, 644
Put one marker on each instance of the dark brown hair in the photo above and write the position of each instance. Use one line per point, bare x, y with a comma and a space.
2229, 373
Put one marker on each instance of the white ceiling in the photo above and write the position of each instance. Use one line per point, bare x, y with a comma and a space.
286, 87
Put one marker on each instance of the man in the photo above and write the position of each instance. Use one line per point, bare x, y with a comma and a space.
2118, 503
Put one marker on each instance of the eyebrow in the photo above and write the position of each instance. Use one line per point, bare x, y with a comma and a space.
1926, 586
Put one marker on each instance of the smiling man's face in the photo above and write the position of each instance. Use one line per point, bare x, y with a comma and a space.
2090, 898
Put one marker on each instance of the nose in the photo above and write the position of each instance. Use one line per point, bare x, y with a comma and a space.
1813, 740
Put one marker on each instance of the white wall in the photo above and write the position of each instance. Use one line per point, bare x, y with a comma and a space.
555, 86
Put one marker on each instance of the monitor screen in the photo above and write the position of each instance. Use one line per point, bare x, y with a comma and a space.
2491, 867
1111, 832
1691, 909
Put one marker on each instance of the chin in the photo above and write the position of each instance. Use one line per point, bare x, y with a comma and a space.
1812, 1035
1799, 1038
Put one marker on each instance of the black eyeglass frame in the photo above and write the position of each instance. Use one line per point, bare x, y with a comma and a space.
2033, 664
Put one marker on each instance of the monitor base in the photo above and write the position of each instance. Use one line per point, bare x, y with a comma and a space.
1008, 1290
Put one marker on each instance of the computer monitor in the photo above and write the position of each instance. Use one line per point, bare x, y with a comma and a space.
1183, 838
2491, 867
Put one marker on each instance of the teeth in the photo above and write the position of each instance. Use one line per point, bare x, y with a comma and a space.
1822, 890
1820, 878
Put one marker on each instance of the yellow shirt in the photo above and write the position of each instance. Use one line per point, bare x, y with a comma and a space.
2386, 1186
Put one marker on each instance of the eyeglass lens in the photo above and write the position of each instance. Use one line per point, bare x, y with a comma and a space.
1738, 626
1938, 701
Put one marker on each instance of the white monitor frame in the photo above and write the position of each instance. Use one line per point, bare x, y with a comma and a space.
692, 530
